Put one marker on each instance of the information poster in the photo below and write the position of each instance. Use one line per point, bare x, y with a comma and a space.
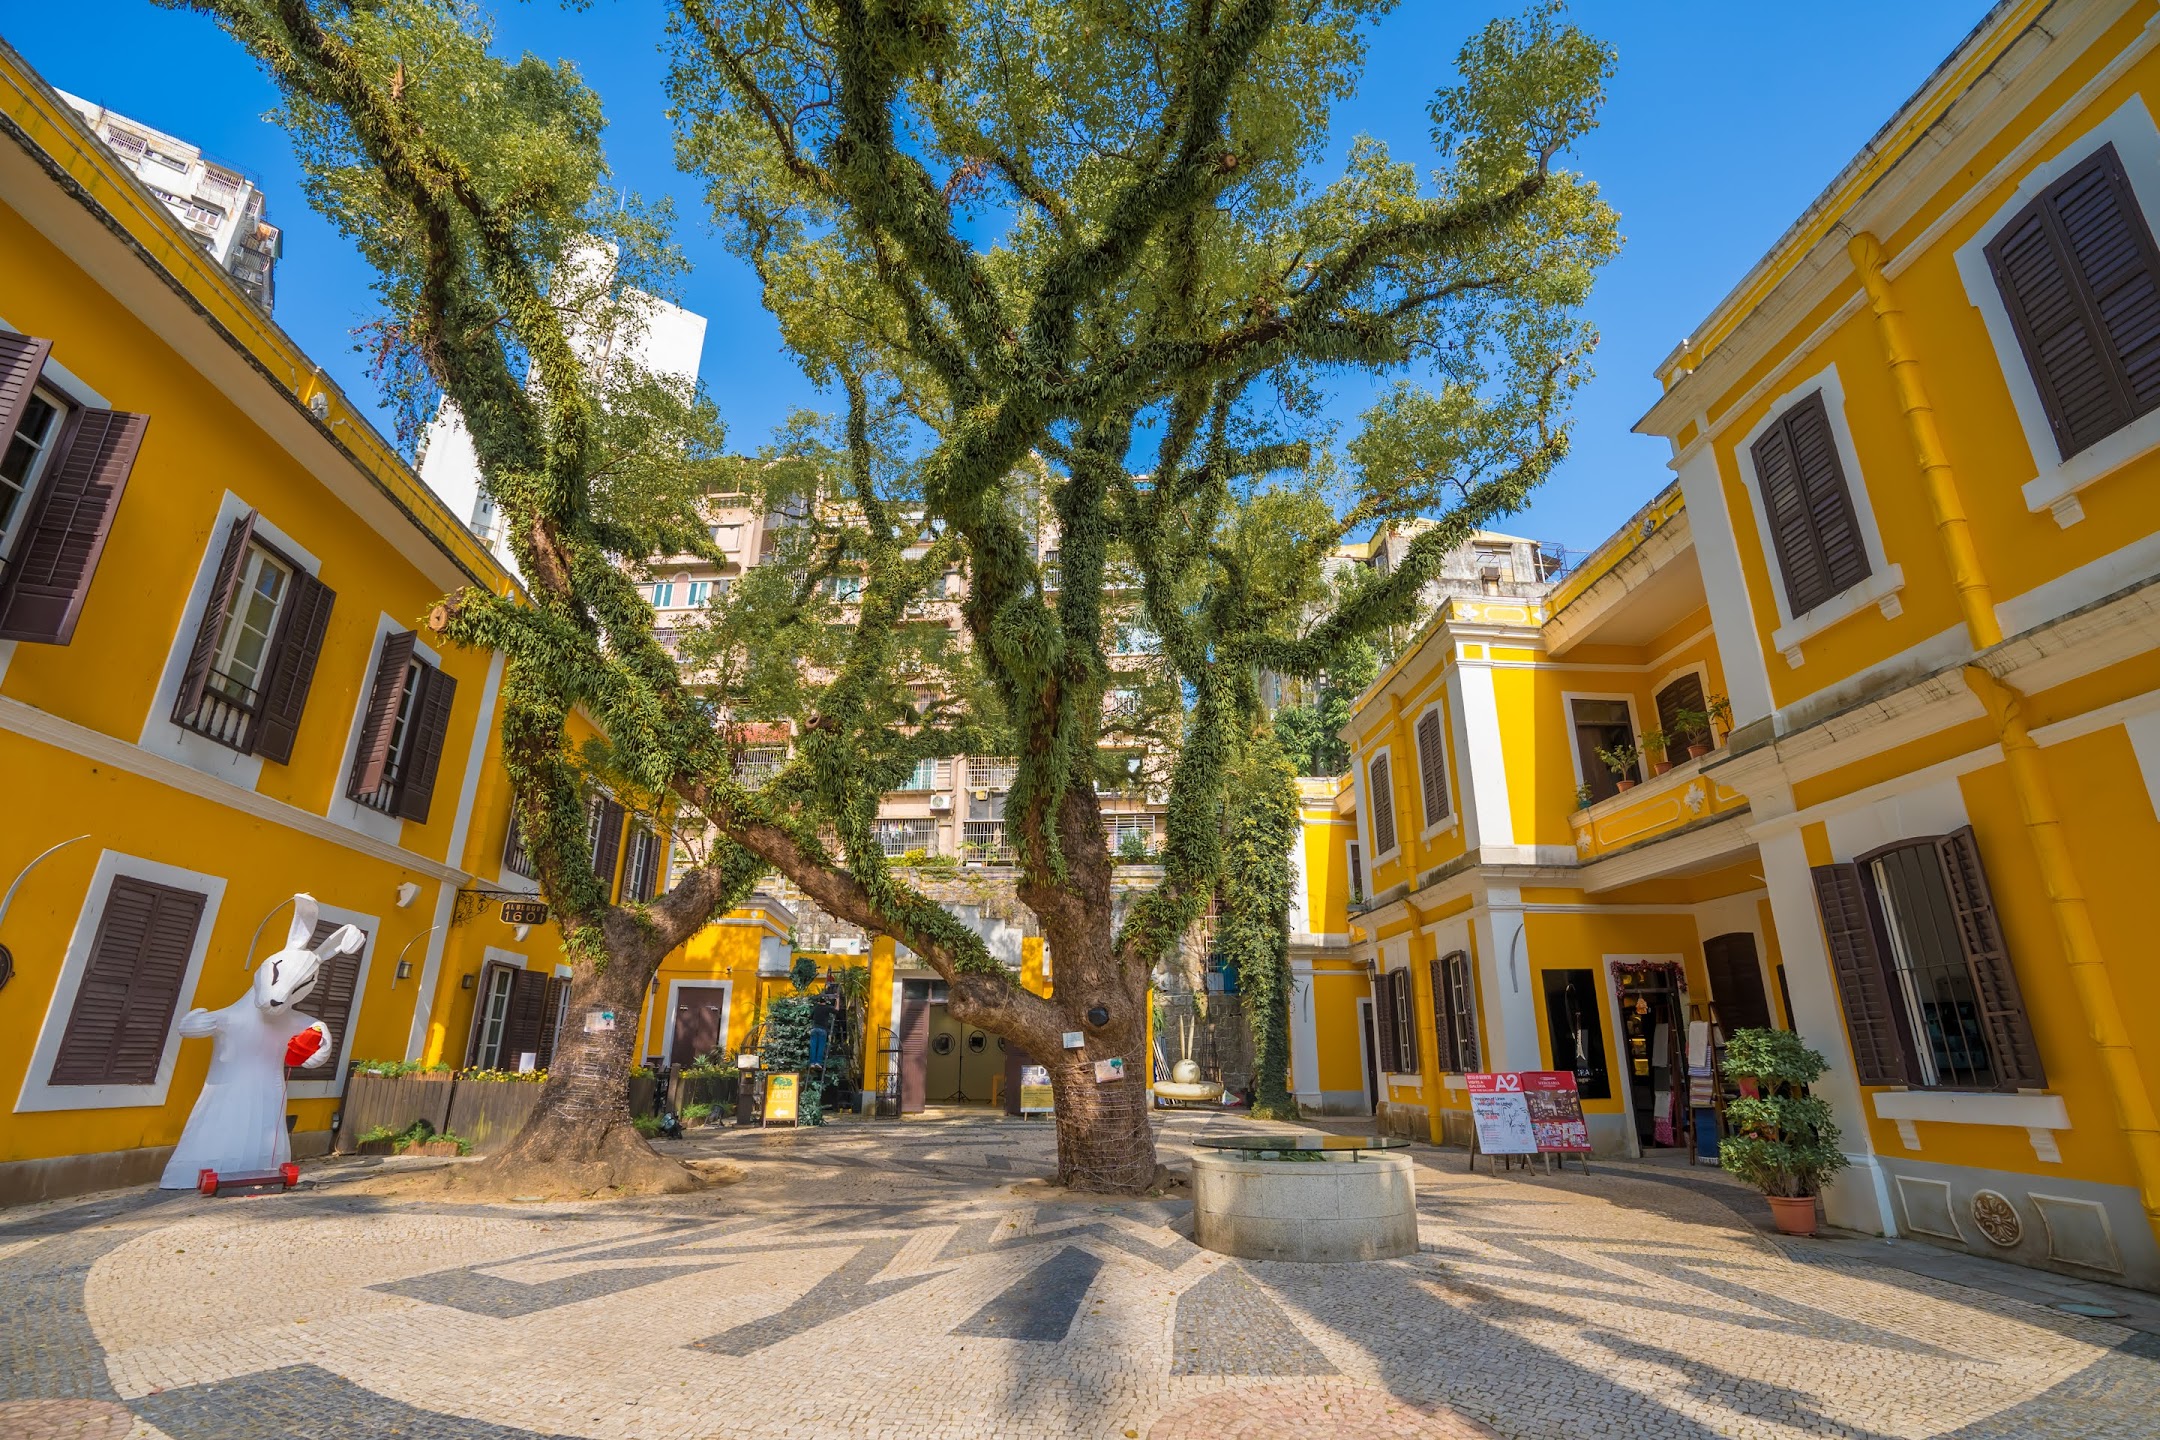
1035, 1090
1528, 1112
1501, 1114
780, 1098
1109, 1070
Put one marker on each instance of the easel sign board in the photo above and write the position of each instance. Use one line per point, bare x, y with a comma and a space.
780, 1097
1528, 1112
1035, 1097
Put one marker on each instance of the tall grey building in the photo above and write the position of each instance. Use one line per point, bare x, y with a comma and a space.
220, 207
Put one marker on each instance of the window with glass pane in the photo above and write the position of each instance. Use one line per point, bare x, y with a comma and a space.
1933, 981
20, 466
898, 837
663, 594
384, 796
237, 670
1575, 1030
699, 591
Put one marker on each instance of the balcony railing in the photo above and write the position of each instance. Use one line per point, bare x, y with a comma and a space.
226, 712
991, 773
985, 840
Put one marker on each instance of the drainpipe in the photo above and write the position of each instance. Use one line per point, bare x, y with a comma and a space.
2005, 706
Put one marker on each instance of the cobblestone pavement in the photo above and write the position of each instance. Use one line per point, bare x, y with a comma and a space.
913, 1280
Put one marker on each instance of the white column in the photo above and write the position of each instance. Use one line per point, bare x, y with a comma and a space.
1717, 553
1304, 1037
1507, 998
1860, 1198
1487, 816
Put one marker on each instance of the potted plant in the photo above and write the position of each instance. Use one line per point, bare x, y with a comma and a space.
1662, 743
1693, 728
1783, 1142
1721, 714
1621, 760
1584, 797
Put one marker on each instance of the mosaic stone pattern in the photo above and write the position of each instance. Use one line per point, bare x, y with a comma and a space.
871, 1281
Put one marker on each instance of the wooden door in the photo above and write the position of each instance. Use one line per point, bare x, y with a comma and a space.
914, 1055
697, 1022
1736, 984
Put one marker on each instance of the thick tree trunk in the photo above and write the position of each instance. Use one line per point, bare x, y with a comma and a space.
579, 1138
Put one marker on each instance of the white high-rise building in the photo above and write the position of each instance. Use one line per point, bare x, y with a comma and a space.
220, 207
663, 340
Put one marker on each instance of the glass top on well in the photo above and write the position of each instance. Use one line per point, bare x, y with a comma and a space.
1301, 1142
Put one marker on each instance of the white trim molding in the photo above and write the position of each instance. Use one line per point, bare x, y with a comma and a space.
1974, 1107
1883, 581
37, 1094
2056, 481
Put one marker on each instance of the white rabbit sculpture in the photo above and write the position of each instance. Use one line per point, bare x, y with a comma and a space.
238, 1124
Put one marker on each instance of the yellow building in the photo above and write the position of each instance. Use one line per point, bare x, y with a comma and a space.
214, 693
1917, 447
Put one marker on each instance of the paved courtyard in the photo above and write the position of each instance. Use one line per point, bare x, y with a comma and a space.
914, 1280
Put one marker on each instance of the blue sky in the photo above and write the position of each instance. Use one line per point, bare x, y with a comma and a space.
1725, 119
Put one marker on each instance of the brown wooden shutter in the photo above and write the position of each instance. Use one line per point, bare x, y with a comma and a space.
1381, 786
1736, 982
429, 730
522, 1023
293, 655
380, 724
1432, 766
2002, 1006
1466, 1038
222, 585
337, 984
1871, 1018
551, 1006
1443, 1022
1808, 499
56, 556
1685, 693
123, 1009
1406, 1040
2080, 278
608, 844
1384, 1021
22, 360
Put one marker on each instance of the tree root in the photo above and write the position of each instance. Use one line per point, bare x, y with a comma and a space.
556, 1163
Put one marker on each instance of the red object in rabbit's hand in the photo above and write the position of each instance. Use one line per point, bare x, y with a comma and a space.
302, 1045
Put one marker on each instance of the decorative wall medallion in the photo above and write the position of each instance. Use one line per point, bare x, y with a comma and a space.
1695, 797
1997, 1218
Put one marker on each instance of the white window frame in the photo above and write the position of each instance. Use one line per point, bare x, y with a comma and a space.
1567, 711
2056, 482
37, 1093
252, 564
700, 592
1447, 772
160, 735
505, 960
1375, 854
12, 529
1884, 580
333, 1087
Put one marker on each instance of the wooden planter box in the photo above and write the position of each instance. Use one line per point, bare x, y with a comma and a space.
434, 1147
717, 1091
489, 1112
395, 1101
643, 1092
376, 1147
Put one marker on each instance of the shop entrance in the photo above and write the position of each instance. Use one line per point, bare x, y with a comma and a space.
944, 1061
1654, 1040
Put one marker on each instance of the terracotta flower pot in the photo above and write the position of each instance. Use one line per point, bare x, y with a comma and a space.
1792, 1214
1624, 784
1696, 752
1659, 767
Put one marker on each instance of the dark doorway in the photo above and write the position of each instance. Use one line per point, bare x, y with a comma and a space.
1736, 987
1576, 1029
698, 1012
1602, 725
1655, 1042
1372, 1057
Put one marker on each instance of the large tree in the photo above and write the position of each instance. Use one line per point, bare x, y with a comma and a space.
1069, 261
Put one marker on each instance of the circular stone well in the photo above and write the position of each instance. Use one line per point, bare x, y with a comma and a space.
1313, 1209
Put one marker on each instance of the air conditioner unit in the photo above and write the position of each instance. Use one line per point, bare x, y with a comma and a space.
941, 802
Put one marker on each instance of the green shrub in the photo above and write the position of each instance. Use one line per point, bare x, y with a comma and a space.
1784, 1142
646, 1125
380, 1132
391, 1069
523, 1077
697, 1114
